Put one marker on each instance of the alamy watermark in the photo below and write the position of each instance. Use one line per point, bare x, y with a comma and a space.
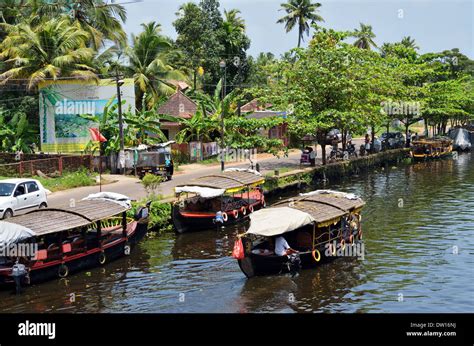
71, 107
400, 108
237, 155
338, 249
19, 250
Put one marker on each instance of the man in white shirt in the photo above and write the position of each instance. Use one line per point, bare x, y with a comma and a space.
282, 248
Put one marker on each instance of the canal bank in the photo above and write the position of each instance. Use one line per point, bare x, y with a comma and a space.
295, 180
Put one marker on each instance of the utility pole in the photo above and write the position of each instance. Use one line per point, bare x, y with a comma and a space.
119, 82
222, 65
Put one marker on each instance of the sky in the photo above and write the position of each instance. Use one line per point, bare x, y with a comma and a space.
436, 25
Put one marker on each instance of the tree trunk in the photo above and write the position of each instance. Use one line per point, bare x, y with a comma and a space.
372, 147
321, 138
299, 37
194, 79
407, 126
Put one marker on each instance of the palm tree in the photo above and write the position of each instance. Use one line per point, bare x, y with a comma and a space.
53, 50
364, 37
101, 19
199, 127
149, 65
233, 27
299, 13
409, 42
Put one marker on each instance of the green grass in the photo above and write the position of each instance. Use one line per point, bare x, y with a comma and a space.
67, 181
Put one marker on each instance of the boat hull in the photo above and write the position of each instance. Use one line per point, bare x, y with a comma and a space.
39, 273
192, 222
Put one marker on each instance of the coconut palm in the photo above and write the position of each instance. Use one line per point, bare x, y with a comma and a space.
233, 27
53, 50
409, 42
364, 37
101, 19
149, 65
299, 14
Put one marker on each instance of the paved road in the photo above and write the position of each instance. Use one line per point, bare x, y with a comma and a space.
131, 186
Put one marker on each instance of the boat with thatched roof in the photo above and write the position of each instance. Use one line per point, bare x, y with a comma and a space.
217, 200
315, 226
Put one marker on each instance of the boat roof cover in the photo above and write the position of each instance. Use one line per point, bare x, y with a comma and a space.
320, 206
11, 233
204, 192
79, 214
110, 196
274, 221
229, 181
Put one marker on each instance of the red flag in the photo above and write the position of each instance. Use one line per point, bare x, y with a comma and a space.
96, 135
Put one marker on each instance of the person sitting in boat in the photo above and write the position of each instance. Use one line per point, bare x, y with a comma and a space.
219, 219
282, 248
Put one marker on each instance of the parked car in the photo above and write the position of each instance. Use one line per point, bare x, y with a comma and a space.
18, 195
392, 140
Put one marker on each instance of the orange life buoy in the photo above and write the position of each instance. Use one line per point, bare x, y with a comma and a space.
243, 211
236, 213
251, 209
225, 217
315, 251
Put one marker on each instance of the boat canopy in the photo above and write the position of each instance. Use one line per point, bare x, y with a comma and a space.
228, 181
461, 138
53, 220
323, 207
275, 221
11, 233
204, 192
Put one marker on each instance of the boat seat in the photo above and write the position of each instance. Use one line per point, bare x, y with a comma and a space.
77, 245
53, 251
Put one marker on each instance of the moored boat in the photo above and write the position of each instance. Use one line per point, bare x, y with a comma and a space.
217, 200
431, 148
61, 241
320, 226
461, 139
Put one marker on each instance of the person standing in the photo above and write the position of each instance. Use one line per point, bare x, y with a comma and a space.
312, 157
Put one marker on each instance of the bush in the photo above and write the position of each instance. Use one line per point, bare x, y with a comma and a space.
151, 183
160, 215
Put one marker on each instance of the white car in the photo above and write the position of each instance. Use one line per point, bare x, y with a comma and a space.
17, 195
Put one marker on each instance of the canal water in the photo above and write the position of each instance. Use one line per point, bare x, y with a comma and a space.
419, 257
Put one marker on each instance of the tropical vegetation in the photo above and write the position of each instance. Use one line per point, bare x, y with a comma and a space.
345, 80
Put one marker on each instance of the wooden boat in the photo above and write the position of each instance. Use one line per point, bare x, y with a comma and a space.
431, 148
217, 199
319, 225
89, 233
